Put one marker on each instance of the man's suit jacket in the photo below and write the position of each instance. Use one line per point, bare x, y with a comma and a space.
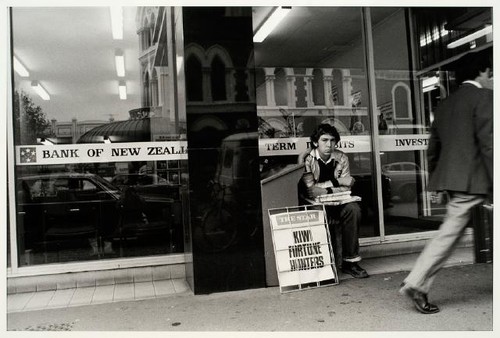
460, 152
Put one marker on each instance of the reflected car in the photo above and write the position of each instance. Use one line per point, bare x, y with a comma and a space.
365, 183
67, 206
404, 176
364, 187
147, 185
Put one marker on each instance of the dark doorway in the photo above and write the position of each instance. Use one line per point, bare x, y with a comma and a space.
225, 204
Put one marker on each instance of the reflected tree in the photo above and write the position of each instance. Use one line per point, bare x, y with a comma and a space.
30, 122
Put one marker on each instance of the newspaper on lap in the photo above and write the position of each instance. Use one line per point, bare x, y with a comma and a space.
337, 197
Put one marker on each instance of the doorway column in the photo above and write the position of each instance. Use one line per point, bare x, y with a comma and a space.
327, 86
309, 89
270, 96
291, 98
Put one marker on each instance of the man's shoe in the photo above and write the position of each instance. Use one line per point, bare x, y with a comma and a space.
354, 270
419, 300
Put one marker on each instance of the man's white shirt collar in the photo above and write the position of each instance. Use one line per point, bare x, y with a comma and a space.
475, 83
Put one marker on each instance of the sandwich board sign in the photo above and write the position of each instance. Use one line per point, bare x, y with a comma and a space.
302, 247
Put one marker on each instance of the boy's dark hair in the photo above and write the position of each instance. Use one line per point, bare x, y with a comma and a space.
323, 129
469, 65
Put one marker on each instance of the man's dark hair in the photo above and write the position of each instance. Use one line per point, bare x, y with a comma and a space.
323, 129
469, 65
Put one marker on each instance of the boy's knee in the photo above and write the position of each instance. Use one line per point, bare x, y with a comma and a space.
352, 209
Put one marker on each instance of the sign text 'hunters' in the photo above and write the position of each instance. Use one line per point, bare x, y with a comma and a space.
304, 253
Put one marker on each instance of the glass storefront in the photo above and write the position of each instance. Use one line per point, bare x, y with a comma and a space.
325, 81
104, 115
402, 127
101, 160
407, 92
319, 74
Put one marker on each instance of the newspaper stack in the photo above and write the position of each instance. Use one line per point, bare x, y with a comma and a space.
340, 197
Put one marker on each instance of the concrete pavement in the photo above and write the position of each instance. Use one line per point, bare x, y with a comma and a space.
464, 294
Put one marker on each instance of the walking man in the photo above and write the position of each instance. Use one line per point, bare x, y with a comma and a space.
460, 157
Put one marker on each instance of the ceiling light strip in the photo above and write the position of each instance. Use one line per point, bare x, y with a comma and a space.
122, 90
271, 23
40, 90
116, 22
471, 37
20, 68
120, 63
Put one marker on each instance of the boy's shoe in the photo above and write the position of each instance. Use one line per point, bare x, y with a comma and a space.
354, 270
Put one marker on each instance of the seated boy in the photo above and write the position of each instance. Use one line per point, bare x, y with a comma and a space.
327, 170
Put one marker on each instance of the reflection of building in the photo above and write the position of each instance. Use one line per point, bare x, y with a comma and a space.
298, 93
158, 71
70, 132
215, 84
132, 130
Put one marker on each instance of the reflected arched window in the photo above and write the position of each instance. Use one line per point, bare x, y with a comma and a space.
280, 88
318, 94
401, 101
218, 80
146, 99
154, 89
145, 35
194, 79
151, 29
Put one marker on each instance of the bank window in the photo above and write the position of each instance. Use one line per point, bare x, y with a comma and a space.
83, 148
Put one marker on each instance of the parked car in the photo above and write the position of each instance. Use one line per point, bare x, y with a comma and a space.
66, 206
404, 177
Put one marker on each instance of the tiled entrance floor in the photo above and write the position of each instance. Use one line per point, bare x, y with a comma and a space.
30, 301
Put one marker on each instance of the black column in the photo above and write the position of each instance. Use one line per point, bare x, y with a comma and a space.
224, 193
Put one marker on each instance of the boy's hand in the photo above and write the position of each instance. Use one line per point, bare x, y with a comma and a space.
314, 192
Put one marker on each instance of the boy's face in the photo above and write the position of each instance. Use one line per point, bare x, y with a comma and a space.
325, 145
